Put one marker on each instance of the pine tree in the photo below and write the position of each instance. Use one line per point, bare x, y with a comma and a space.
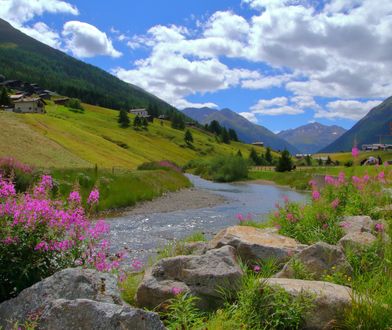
188, 137
123, 119
137, 122
225, 136
233, 135
144, 122
253, 157
285, 163
268, 156
4, 98
215, 127
239, 153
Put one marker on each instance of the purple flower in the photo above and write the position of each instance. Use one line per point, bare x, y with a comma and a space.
176, 290
379, 227
335, 203
93, 198
240, 217
136, 264
316, 195
355, 152
74, 198
256, 268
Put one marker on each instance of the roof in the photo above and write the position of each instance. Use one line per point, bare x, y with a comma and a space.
137, 110
28, 99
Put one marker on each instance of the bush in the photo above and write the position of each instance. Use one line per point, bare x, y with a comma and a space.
285, 163
39, 237
74, 104
20, 174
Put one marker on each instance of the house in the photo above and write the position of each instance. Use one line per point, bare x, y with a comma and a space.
61, 101
162, 117
190, 123
300, 156
16, 97
258, 144
29, 105
143, 113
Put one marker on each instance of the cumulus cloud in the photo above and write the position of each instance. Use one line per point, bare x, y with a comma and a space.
250, 116
275, 107
85, 40
43, 33
346, 109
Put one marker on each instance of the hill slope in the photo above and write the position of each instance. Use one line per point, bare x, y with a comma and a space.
312, 137
26, 59
376, 122
246, 130
63, 138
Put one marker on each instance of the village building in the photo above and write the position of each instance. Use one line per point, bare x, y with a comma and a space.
61, 101
143, 113
258, 144
29, 105
163, 117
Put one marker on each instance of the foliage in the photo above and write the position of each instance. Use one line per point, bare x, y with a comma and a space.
254, 157
74, 104
161, 165
188, 137
123, 119
233, 135
39, 236
129, 285
285, 163
4, 98
20, 174
177, 121
221, 168
268, 156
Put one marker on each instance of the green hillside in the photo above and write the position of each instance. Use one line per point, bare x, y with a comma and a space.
377, 122
63, 138
27, 59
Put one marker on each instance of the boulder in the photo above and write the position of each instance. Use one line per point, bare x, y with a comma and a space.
202, 275
358, 223
357, 241
71, 283
255, 244
84, 314
197, 248
317, 260
329, 301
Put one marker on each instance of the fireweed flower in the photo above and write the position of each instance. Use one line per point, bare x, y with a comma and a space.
93, 198
335, 203
355, 152
7, 189
379, 227
290, 217
256, 268
176, 291
312, 183
316, 195
136, 264
329, 180
381, 177
74, 198
240, 217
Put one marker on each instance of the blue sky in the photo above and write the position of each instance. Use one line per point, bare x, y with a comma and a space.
279, 63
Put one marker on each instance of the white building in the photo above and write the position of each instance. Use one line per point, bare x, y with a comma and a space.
29, 105
139, 112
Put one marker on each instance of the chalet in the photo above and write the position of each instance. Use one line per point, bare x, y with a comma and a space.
12, 84
258, 144
61, 101
16, 97
143, 113
30, 105
162, 117
300, 156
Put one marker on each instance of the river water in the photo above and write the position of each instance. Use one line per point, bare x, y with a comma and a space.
143, 235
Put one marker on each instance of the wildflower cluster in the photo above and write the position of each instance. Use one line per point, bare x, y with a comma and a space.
39, 236
320, 219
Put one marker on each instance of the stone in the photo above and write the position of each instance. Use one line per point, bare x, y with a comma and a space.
84, 314
196, 248
318, 260
329, 301
257, 244
357, 241
202, 275
71, 283
358, 223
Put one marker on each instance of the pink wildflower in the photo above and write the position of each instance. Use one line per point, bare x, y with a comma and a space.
286, 199
355, 152
316, 195
290, 217
136, 264
329, 180
93, 198
341, 178
335, 203
7, 189
256, 268
42, 246
312, 183
240, 217
381, 177
74, 198
379, 227
176, 290
325, 226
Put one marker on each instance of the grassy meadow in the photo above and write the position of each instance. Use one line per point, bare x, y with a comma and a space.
63, 138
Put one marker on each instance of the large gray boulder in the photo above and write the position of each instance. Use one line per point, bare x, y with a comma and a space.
84, 314
202, 275
317, 260
257, 244
71, 283
357, 223
357, 241
329, 301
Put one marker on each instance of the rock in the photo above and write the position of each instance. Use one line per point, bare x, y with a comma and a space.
318, 260
201, 275
357, 241
71, 283
358, 223
329, 300
254, 244
196, 248
84, 314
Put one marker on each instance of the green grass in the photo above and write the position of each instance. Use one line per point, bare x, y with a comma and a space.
344, 157
121, 188
63, 138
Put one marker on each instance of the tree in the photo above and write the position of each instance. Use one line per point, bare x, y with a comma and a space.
74, 104
177, 121
215, 127
308, 160
144, 122
239, 153
268, 156
4, 98
137, 122
233, 135
285, 163
225, 135
188, 136
253, 157
123, 119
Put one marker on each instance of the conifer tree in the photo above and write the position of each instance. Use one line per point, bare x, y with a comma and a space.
188, 136
123, 119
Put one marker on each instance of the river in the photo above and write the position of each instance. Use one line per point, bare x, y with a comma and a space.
143, 234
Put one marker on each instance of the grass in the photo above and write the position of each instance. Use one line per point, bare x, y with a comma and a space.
344, 157
63, 138
121, 188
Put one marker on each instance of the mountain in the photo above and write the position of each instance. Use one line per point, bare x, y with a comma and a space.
24, 58
246, 130
312, 137
377, 122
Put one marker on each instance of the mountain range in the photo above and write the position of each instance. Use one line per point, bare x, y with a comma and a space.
247, 131
375, 126
312, 137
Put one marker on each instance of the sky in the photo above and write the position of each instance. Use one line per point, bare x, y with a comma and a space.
278, 63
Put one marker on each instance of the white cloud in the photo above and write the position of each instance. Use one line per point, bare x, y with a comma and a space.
21, 11
346, 109
85, 40
250, 116
43, 33
275, 107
